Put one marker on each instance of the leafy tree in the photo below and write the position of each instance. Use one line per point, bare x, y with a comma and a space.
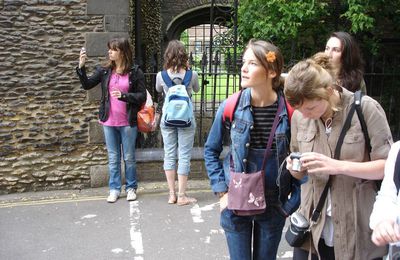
301, 27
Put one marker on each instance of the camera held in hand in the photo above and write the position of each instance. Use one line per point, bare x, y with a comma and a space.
296, 163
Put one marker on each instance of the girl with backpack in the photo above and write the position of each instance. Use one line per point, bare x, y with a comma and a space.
178, 140
257, 124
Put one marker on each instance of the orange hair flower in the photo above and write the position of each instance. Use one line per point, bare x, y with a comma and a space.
270, 56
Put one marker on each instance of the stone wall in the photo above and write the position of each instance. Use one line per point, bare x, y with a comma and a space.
48, 138
49, 135
44, 114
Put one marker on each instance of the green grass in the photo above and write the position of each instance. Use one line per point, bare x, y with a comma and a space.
225, 85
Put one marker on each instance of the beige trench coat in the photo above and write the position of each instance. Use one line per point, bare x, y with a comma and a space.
352, 198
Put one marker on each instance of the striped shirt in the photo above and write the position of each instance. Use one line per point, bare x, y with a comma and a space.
263, 118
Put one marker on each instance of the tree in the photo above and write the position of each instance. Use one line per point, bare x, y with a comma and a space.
301, 27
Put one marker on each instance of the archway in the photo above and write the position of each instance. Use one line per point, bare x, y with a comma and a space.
205, 14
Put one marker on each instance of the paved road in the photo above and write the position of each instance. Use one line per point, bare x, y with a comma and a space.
81, 225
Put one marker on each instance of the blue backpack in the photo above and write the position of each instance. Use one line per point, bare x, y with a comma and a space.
178, 108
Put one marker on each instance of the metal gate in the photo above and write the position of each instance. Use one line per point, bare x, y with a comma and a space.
215, 54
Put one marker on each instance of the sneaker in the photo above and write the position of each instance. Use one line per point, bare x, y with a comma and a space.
131, 194
114, 194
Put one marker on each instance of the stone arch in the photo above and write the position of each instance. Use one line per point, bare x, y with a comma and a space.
196, 16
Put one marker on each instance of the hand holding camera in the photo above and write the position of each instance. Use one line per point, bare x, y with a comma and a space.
82, 57
296, 163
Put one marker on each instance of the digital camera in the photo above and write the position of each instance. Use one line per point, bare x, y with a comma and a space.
296, 163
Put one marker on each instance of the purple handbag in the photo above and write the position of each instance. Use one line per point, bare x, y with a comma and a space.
246, 193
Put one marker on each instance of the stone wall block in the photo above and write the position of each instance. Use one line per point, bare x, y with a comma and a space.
94, 94
96, 134
104, 7
96, 43
117, 23
39, 174
98, 176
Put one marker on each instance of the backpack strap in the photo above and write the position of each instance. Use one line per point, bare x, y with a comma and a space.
346, 126
289, 110
231, 104
230, 107
396, 174
357, 103
187, 78
169, 82
357, 106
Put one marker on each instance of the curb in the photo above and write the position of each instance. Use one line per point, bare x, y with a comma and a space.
144, 188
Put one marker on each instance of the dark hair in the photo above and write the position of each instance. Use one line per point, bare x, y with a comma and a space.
175, 56
261, 50
125, 48
352, 65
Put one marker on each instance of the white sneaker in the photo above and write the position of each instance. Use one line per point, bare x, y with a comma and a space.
114, 194
131, 194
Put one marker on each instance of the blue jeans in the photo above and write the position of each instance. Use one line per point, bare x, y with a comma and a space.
117, 136
178, 144
265, 230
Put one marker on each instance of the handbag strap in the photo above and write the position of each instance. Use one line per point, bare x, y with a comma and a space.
272, 133
317, 211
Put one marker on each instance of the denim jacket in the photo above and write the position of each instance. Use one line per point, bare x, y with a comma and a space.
218, 171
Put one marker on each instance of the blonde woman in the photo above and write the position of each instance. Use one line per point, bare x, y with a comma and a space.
342, 231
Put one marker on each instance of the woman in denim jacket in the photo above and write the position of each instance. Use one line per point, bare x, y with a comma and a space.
258, 104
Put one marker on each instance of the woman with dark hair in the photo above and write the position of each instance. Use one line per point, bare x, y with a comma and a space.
122, 95
345, 57
257, 114
178, 141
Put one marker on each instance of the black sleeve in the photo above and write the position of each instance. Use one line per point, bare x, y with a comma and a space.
138, 95
93, 80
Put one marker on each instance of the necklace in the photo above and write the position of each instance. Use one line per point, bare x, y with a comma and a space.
328, 125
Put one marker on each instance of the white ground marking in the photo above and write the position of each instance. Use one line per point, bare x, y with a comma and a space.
117, 250
206, 240
196, 211
196, 214
135, 233
286, 254
47, 250
89, 216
